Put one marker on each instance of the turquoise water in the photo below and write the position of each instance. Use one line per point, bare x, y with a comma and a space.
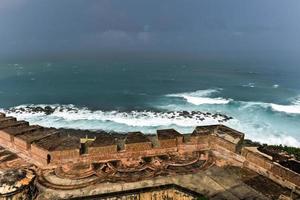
262, 98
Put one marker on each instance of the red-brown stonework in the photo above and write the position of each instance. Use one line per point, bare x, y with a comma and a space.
137, 141
116, 154
169, 138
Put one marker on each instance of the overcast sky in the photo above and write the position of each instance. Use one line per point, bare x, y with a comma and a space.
41, 28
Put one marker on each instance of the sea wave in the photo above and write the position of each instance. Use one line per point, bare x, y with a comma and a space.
275, 86
250, 85
293, 108
84, 118
200, 97
264, 133
71, 116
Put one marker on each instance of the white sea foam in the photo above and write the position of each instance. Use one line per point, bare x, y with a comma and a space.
202, 97
263, 133
63, 116
251, 85
293, 108
70, 116
275, 86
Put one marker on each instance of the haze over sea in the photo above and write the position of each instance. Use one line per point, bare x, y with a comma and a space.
263, 98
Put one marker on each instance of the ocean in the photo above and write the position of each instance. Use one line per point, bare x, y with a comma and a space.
260, 99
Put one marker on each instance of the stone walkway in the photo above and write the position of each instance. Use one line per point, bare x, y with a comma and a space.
215, 182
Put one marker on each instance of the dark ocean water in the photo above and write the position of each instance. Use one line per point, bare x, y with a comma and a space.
262, 98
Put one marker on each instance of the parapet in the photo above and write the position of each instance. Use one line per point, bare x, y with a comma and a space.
103, 140
137, 141
218, 136
229, 134
204, 130
59, 141
7, 119
169, 138
104, 144
8, 124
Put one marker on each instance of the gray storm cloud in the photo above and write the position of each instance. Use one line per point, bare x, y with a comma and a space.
31, 28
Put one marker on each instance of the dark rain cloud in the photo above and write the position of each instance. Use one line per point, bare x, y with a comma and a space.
61, 27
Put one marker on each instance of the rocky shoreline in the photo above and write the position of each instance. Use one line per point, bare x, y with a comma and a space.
48, 110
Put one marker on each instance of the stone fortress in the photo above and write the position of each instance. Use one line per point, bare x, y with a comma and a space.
211, 162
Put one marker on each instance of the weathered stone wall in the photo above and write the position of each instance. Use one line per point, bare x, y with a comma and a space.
261, 164
200, 140
179, 140
39, 154
165, 194
168, 143
4, 135
216, 141
158, 194
21, 145
64, 155
138, 146
257, 159
102, 151
285, 174
5, 142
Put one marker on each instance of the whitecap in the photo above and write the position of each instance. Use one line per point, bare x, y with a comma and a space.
264, 133
63, 115
275, 86
251, 85
292, 109
202, 97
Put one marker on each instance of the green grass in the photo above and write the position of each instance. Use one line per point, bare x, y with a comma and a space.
290, 150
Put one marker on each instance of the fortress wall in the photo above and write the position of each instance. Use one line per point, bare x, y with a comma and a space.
285, 174
100, 151
167, 143
6, 136
190, 148
203, 139
162, 194
21, 144
224, 157
262, 165
179, 140
135, 147
216, 142
5, 142
64, 155
257, 159
39, 154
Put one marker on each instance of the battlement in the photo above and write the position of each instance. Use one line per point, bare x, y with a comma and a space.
58, 146
52, 148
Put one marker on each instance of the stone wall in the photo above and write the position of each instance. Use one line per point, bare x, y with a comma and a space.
64, 156
39, 154
5, 136
216, 141
138, 146
201, 139
285, 174
257, 159
265, 166
5, 143
102, 151
167, 143
21, 145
